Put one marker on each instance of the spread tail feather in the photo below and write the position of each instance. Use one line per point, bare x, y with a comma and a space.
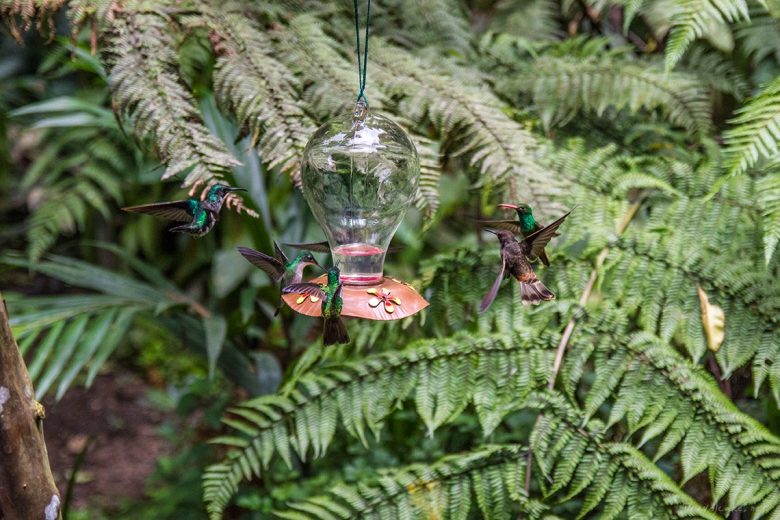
535, 292
335, 332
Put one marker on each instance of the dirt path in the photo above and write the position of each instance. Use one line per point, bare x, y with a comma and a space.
122, 431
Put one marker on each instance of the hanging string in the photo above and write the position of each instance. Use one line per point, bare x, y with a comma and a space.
362, 64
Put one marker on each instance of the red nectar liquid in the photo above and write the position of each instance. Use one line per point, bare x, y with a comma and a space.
360, 264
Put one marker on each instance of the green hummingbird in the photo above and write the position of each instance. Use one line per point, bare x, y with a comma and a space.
200, 215
515, 258
330, 295
278, 267
525, 225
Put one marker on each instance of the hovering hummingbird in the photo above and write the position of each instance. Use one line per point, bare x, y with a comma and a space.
330, 294
278, 267
525, 225
200, 215
515, 258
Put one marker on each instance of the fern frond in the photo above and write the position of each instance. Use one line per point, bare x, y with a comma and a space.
768, 190
659, 393
536, 20
262, 93
146, 86
427, 197
760, 37
330, 83
577, 461
716, 71
563, 87
494, 474
439, 23
443, 376
693, 19
77, 333
76, 174
19, 15
755, 130
470, 123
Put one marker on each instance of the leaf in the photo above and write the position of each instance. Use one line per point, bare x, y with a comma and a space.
755, 130
713, 320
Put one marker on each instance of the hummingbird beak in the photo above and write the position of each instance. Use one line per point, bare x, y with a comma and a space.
491, 231
231, 188
507, 206
317, 263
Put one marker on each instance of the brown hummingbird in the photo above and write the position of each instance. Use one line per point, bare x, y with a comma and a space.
523, 226
515, 258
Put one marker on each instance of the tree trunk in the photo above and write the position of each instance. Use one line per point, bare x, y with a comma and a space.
27, 488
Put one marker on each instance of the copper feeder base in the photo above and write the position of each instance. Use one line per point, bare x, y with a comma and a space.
391, 299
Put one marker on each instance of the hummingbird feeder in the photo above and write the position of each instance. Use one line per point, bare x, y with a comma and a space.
360, 174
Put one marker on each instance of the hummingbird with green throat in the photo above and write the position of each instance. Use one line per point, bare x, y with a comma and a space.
199, 215
515, 259
524, 226
278, 267
329, 294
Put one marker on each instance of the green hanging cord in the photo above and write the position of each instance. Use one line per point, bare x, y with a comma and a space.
362, 64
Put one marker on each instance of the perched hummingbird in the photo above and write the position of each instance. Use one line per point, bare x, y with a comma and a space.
200, 215
330, 294
523, 226
278, 267
515, 259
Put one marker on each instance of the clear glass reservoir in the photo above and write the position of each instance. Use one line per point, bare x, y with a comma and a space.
360, 174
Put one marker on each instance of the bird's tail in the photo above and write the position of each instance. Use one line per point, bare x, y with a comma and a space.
535, 292
184, 228
335, 332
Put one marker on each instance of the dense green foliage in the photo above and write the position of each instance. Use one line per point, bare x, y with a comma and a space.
659, 120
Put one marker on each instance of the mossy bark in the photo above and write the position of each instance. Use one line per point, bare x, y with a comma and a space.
27, 488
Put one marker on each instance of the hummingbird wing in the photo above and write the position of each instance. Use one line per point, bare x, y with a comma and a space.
280, 254
309, 289
539, 239
273, 267
178, 210
314, 247
508, 225
491, 295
